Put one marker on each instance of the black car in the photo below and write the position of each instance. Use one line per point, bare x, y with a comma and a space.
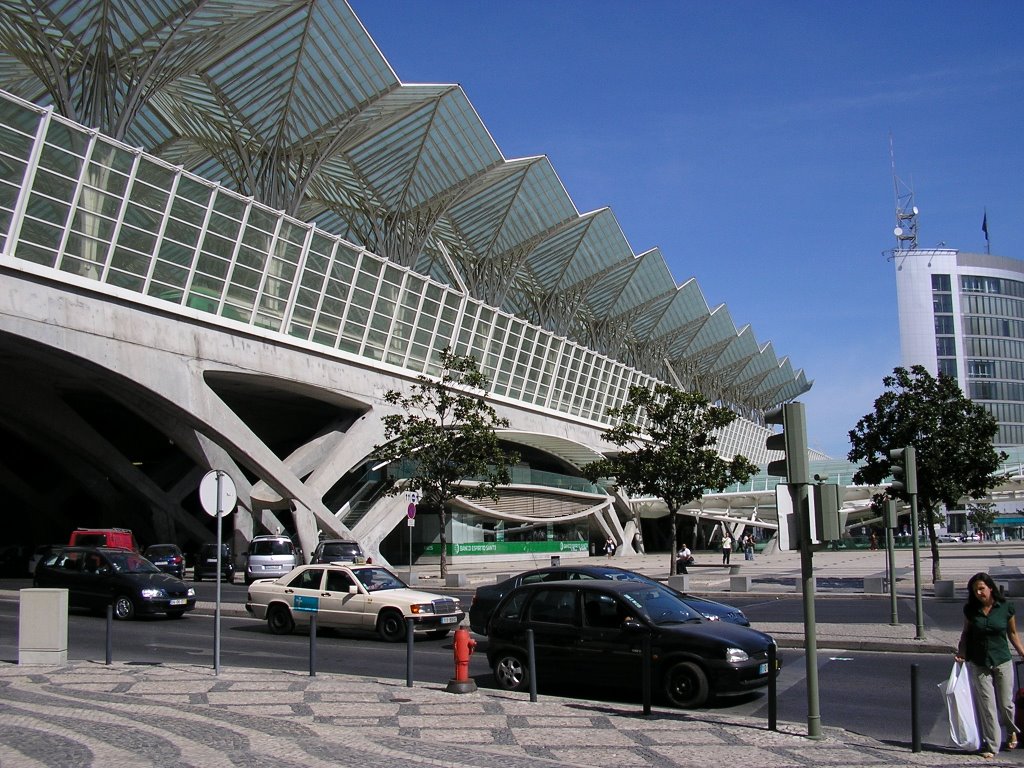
206, 563
487, 597
96, 577
167, 557
595, 630
338, 551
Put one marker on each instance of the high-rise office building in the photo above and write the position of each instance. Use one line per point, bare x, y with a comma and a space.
962, 314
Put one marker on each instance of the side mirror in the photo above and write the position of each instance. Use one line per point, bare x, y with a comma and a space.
633, 625
353, 589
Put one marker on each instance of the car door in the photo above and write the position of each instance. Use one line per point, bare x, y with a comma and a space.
339, 607
605, 645
303, 594
553, 616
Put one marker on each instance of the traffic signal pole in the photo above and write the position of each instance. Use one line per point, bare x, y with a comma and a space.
903, 463
793, 440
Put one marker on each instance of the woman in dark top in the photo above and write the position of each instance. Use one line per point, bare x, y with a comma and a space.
988, 623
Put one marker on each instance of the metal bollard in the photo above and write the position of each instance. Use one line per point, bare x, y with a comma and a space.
110, 634
915, 720
645, 675
410, 635
773, 689
531, 662
312, 644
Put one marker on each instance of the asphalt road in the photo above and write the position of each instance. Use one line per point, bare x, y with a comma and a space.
865, 692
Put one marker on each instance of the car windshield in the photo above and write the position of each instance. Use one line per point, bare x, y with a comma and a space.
161, 551
339, 550
210, 550
375, 579
129, 562
661, 606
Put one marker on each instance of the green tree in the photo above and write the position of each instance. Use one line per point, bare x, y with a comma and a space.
448, 434
982, 515
673, 456
952, 437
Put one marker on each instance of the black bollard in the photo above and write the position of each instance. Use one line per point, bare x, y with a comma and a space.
531, 663
915, 724
646, 675
773, 689
110, 634
409, 639
312, 644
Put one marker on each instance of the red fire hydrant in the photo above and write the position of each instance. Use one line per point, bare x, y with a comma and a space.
463, 645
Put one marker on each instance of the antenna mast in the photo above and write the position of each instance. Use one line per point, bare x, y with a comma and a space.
906, 211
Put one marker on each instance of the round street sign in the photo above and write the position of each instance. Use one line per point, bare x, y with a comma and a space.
411, 511
208, 493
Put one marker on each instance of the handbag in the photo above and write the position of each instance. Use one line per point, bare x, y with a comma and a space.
963, 721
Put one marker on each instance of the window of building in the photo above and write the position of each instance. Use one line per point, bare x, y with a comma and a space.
945, 346
941, 283
944, 325
947, 366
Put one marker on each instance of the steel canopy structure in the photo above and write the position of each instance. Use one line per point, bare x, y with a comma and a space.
293, 104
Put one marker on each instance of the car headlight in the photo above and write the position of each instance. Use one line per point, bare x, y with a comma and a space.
734, 655
421, 608
191, 592
152, 594
712, 618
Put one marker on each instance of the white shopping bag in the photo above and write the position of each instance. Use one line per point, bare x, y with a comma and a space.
963, 723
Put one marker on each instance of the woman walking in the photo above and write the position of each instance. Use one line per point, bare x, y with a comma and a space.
988, 623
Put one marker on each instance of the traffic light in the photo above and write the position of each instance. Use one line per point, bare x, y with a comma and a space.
889, 514
904, 470
792, 440
829, 522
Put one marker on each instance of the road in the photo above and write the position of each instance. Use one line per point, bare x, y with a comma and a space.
864, 692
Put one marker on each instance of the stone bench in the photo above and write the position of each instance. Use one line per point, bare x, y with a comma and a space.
876, 584
944, 588
739, 583
734, 568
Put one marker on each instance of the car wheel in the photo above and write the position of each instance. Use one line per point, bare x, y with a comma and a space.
124, 608
175, 614
510, 672
391, 626
279, 620
686, 685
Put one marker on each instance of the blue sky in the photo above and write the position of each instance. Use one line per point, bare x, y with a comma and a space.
750, 142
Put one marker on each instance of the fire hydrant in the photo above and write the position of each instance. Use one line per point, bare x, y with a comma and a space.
463, 645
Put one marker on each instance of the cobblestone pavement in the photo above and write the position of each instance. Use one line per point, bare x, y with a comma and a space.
88, 714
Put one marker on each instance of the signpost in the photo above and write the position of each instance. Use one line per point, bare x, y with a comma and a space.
411, 512
218, 496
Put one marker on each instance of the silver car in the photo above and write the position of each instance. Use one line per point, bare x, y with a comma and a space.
269, 557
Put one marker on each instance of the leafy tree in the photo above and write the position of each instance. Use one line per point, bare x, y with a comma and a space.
952, 438
673, 454
982, 515
448, 434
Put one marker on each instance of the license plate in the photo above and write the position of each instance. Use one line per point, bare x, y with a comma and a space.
179, 601
763, 669
449, 619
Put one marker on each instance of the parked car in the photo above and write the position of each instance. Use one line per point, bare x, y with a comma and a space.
970, 537
486, 597
167, 557
947, 538
96, 577
594, 630
206, 563
351, 597
338, 551
269, 557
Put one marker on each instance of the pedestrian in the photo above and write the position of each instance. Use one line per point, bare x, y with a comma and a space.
609, 547
874, 539
726, 548
683, 559
748, 547
988, 623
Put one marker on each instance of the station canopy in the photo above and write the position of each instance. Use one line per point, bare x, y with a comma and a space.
294, 104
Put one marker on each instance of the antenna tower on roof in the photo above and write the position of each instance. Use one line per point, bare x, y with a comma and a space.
906, 211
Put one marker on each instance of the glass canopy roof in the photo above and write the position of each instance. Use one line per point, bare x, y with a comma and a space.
292, 102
